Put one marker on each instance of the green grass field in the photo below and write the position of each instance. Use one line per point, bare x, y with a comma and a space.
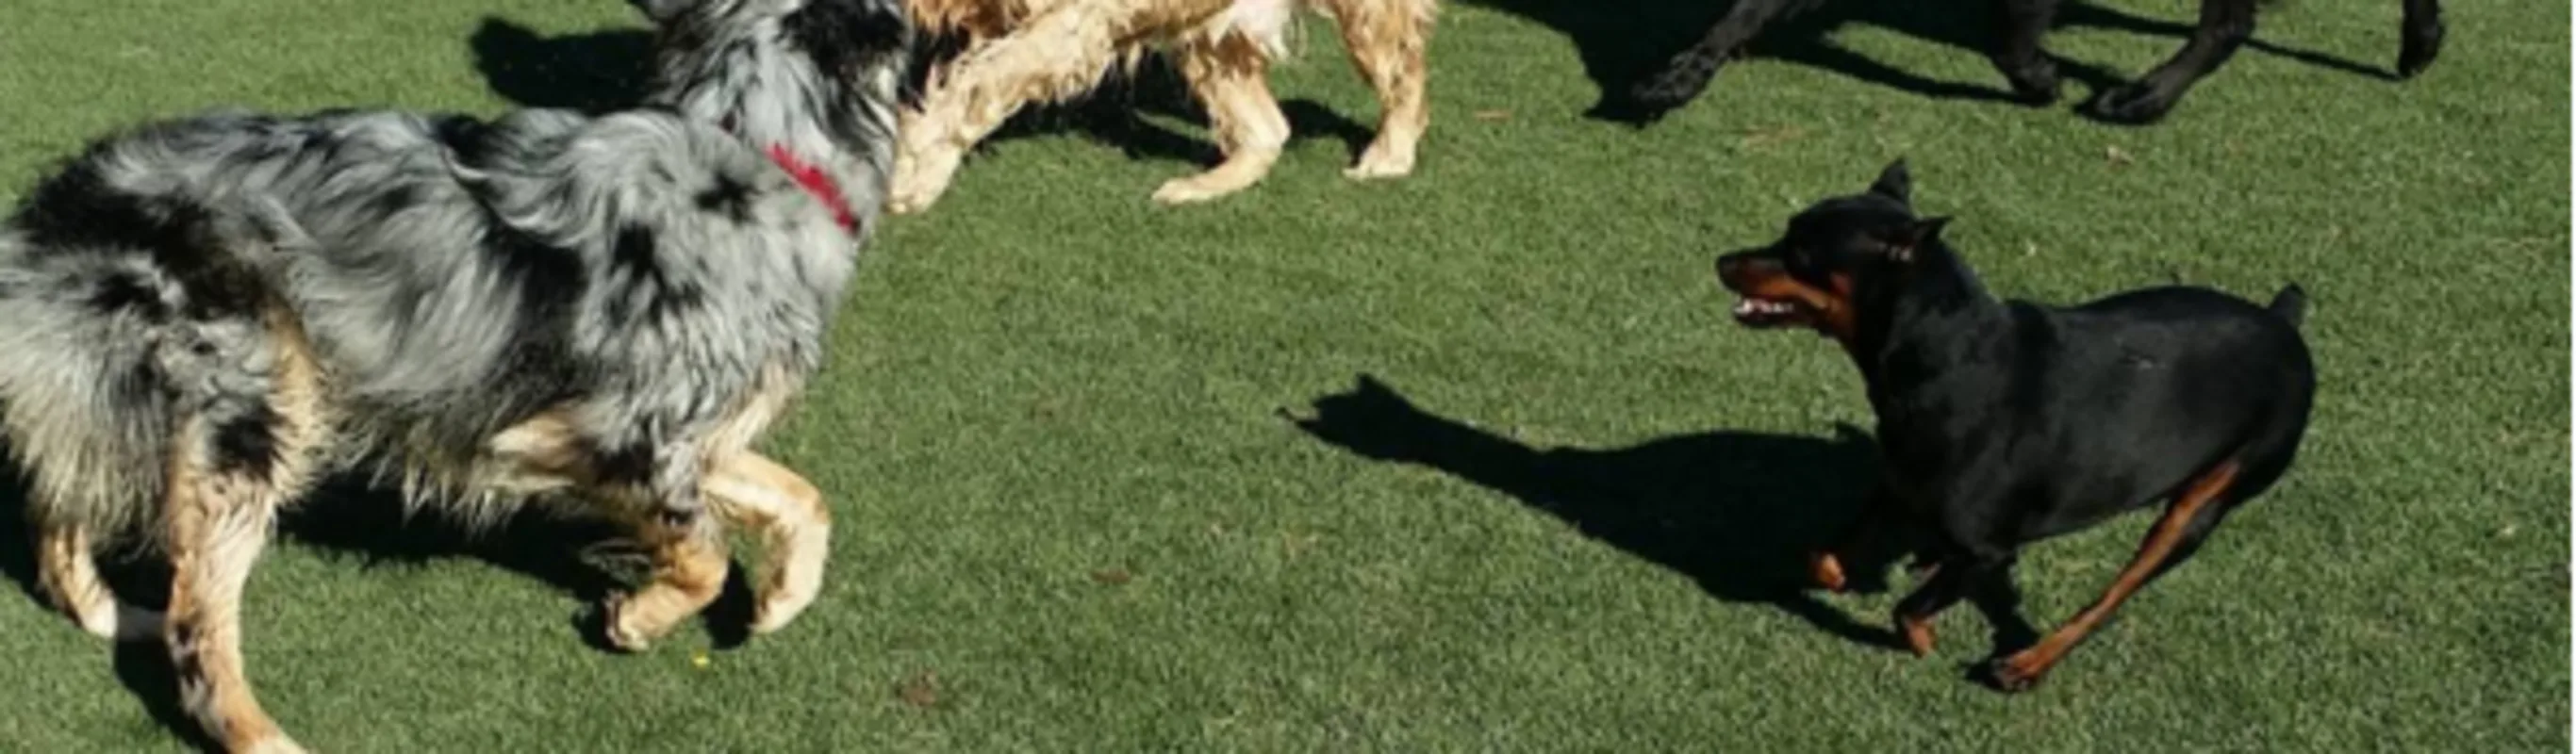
1072, 517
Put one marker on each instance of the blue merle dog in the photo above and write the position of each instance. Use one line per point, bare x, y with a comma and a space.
203, 317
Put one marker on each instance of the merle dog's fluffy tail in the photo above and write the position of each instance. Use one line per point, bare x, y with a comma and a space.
2291, 304
105, 338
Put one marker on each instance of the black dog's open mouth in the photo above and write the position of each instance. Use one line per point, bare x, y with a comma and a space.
1755, 311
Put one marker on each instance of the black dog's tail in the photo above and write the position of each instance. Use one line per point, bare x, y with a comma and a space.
2291, 304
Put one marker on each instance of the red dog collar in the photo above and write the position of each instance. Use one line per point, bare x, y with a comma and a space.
817, 183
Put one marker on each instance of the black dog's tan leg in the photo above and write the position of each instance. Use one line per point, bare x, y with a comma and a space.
2175, 535
1949, 581
1389, 40
1879, 514
689, 569
1230, 76
795, 527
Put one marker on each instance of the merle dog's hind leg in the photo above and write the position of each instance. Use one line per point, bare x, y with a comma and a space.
250, 415
67, 567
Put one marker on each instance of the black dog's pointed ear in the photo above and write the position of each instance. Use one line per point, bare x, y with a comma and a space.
1902, 241
1894, 182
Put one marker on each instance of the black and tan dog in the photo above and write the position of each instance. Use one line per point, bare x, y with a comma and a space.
2002, 423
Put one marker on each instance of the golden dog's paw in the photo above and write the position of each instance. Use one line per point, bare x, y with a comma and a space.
1380, 163
1190, 190
777, 610
277, 744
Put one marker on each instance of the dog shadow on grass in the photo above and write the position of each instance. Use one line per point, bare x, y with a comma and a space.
1736, 512
1622, 42
607, 71
348, 522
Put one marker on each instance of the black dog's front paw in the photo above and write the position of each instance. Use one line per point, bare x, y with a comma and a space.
2135, 104
1625, 110
1655, 96
2016, 673
1667, 91
2035, 83
2421, 47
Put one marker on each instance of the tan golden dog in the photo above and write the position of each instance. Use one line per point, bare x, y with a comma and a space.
1023, 51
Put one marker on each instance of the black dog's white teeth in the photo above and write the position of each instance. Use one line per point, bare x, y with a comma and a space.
1752, 306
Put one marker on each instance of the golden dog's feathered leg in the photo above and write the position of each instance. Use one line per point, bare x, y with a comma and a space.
1058, 54
1229, 72
1388, 41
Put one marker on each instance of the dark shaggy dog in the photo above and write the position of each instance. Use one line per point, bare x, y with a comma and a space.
2001, 423
2019, 24
204, 316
